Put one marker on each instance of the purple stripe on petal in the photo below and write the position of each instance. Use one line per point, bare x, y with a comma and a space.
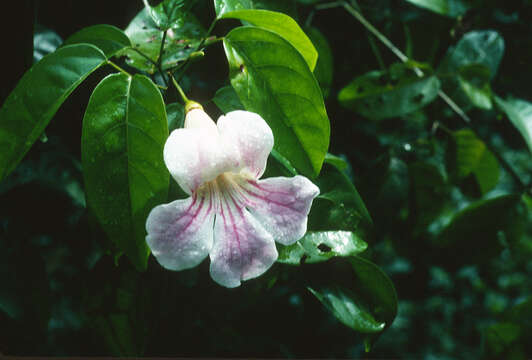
180, 233
282, 205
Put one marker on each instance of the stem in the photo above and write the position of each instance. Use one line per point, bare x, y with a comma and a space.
109, 62
179, 90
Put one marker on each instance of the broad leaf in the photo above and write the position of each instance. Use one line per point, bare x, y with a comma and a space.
320, 246
182, 38
484, 47
324, 66
37, 97
520, 114
284, 6
166, 13
471, 157
45, 41
379, 94
124, 131
107, 38
175, 113
227, 100
336, 161
272, 79
474, 81
450, 8
281, 24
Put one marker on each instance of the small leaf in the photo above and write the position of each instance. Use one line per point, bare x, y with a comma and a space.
167, 12
472, 157
342, 304
450, 8
336, 161
109, 39
272, 79
320, 246
281, 24
227, 100
380, 95
285, 6
520, 114
182, 38
124, 131
37, 97
474, 81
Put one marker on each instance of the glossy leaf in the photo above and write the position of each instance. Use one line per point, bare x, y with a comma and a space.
124, 131
320, 246
182, 38
285, 6
107, 38
339, 206
29, 108
520, 114
227, 100
272, 79
342, 304
166, 13
379, 95
45, 41
175, 114
336, 161
471, 157
281, 24
450, 8
324, 66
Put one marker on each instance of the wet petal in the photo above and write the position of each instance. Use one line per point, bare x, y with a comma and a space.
281, 205
242, 249
195, 155
248, 135
180, 234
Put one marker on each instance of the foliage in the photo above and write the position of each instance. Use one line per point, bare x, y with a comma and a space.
420, 241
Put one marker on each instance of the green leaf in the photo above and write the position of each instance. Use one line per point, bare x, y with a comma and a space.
520, 114
320, 246
124, 131
281, 24
175, 113
336, 161
343, 305
475, 83
227, 100
450, 8
471, 157
325, 64
109, 39
339, 206
272, 79
166, 13
366, 300
37, 97
501, 336
284, 6
380, 94
45, 41
484, 47
473, 235
182, 38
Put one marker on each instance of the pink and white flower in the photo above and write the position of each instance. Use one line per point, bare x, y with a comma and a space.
230, 215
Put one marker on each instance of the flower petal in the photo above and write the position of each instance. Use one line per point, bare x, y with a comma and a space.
180, 234
281, 205
195, 155
248, 135
242, 249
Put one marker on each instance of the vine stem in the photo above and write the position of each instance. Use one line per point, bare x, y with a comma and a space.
441, 94
179, 90
109, 62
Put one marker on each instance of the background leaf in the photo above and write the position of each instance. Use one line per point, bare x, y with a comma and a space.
227, 100
45, 41
181, 40
379, 95
281, 24
272, 79
109, 39
325, 64
124, 131
29, 108
520, 114
451, 8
